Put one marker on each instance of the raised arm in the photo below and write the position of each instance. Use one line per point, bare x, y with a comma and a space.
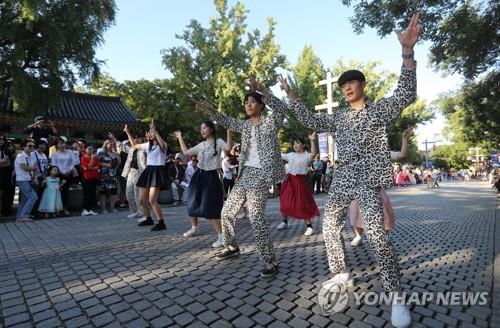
184, 148
390, 108
230, 123
321, 122
161, 142
229, 140
133, 144
314, 149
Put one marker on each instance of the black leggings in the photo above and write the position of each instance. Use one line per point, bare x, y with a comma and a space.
89, 193
65, 190
228, 185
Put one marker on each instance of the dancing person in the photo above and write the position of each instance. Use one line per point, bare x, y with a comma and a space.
51, 202
90, 165
361, 132
135, 164
260, 166
153, 178
108, 183
205, 196
25, 167
389, 217
296, 199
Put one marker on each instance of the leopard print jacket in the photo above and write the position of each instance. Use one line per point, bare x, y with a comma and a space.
361, 135
268, 146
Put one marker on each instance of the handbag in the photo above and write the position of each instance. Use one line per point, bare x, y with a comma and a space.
34, 180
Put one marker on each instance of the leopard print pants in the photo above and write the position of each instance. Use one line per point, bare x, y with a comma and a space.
250, 186
372, 216
132, 191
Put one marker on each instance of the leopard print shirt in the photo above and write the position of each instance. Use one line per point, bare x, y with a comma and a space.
268, 146
361, 135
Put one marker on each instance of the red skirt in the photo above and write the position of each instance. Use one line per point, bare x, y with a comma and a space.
296, 200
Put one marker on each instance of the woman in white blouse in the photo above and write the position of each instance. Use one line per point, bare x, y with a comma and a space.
296, 199
66, 161
154, 177
205, 192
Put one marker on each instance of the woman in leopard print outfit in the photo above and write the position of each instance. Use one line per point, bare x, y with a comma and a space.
365, 166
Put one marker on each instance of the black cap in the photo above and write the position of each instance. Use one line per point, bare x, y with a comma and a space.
351, 75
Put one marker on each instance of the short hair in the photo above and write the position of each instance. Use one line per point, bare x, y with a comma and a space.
255, 95
351, 75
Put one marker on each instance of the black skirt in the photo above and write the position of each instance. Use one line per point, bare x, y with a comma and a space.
205, 195
153, 176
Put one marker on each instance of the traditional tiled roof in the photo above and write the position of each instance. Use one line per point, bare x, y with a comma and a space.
74, 106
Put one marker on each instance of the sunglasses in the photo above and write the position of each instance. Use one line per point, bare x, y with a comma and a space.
30, 146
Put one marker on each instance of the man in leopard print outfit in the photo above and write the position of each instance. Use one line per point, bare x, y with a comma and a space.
260, 166
365, 166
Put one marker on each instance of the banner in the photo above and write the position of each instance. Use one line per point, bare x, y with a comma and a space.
323, 144
494, 159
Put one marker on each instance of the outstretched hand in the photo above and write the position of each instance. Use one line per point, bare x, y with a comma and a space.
125, 128
312, 136
178, 134
205, 106
408, 132
256, 86
409, 37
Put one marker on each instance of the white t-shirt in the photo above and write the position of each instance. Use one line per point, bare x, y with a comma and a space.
23, 158
40, 159
65, 161
298, 163
205, 151
228, 169
156, 156
253, 155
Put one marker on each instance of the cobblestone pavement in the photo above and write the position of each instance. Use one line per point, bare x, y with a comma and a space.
106, 271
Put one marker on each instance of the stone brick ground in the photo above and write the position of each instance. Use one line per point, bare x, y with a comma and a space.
106, 271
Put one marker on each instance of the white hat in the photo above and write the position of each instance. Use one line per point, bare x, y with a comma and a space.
63, 138
178, 155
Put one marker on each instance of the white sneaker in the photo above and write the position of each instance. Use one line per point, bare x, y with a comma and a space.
191, 232
400, 316
282, 225
133, 215
144, 218
344, 278
356, 241
85, 213
218, 243
309, 231
93, 213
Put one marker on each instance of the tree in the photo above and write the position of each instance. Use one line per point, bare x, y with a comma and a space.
156, 99
308, 71
464, 35
216, 61
47, 46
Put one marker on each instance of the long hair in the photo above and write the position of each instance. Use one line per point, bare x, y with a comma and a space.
211, 126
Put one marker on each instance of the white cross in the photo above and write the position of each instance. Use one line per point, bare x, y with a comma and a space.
329, 106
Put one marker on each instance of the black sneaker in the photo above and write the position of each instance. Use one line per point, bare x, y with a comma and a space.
269, 271
148, 221
159, 226
228, 253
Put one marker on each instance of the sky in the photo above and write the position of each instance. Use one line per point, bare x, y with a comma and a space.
143, 28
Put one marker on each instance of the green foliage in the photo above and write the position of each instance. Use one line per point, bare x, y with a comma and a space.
158, 100
46, 46
473, 113
453, 156
307, 73
464, 35
216, 61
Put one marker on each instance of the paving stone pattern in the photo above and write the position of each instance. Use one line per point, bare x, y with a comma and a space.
105, 271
